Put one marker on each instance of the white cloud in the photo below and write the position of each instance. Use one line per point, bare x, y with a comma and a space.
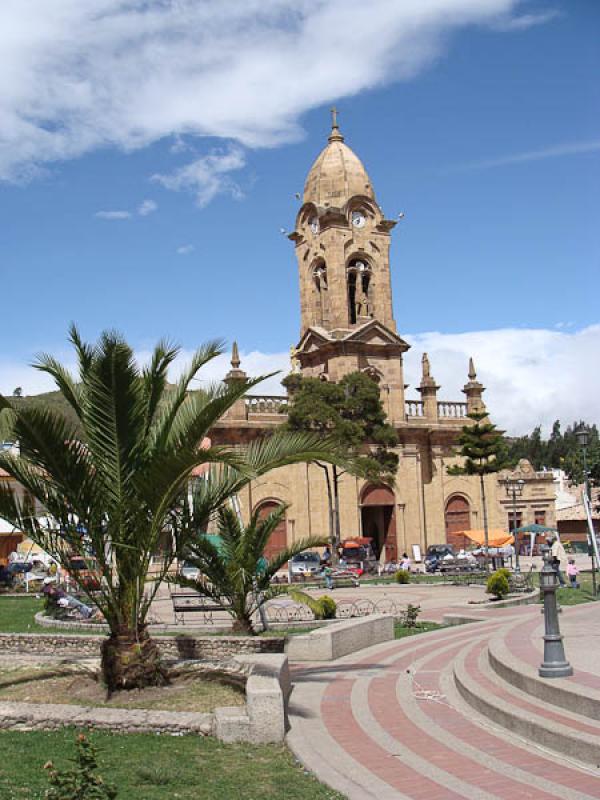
525, 21
147, 207
113, 214
207, 177
532, 376
79, 76
185, 249
557, 151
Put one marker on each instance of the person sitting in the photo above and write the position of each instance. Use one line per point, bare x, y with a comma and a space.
405, 563
64, 600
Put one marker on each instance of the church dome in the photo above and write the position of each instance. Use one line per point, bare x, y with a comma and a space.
337, 175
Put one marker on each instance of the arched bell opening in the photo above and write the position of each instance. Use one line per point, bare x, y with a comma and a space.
360, 289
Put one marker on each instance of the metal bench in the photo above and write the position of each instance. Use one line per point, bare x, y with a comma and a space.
193, 603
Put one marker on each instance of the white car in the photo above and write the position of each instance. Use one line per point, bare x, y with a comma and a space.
307, 563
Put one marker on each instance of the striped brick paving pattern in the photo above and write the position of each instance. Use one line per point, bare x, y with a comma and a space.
434, 716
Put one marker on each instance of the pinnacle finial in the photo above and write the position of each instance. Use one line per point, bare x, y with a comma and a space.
235, 356
335, 135
472, 373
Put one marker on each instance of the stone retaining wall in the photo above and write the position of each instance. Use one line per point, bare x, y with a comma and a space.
205, 648
262, 719
340, 639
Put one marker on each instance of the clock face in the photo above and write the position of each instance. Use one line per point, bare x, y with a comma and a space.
314, 225
358, 219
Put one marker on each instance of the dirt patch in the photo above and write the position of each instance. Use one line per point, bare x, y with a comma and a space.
185, 693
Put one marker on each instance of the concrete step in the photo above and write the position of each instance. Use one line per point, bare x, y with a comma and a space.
569, 734
390, 723
573, 694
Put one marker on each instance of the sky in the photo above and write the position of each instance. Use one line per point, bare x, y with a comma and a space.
151, 151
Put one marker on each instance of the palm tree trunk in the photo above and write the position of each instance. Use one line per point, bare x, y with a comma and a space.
131, 660
486, 533
243, 624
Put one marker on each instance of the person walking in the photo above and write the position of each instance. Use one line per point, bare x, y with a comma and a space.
559, 559
572, 573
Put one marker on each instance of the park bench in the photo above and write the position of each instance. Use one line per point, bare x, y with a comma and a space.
339, 581
193, 603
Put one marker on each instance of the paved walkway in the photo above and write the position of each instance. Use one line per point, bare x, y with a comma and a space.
392, 723
434, 600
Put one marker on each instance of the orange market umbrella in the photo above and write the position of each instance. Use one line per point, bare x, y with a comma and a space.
496, 537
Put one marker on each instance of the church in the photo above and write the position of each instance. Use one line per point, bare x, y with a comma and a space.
342, 246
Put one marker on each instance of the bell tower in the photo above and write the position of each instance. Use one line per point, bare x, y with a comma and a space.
342, 244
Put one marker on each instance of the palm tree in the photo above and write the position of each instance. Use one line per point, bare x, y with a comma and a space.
110, 478
235, 572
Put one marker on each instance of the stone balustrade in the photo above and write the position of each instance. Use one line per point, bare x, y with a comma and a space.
414, 408
452, 409
266, 404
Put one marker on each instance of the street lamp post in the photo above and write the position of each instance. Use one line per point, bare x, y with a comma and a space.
514, 489
555, 664
583, 438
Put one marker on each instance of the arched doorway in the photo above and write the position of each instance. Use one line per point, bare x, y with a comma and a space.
458, 519
378, 514
278, 540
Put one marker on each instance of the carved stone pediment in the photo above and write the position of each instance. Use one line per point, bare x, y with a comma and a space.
312, 340
374, 333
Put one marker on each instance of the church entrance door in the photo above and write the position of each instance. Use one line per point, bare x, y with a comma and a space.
278, 540
458, 519
378, 515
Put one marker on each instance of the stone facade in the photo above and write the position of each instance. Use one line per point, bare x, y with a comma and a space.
342, 243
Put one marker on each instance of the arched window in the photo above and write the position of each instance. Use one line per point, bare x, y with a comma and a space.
458, 520
278, 540
360, 307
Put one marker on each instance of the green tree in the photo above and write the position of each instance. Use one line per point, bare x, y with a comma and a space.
484, 451
233, 570
351, 413
114, 485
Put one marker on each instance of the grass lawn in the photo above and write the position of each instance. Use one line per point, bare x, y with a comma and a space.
573, 597
400, 631
17, 614
150, 767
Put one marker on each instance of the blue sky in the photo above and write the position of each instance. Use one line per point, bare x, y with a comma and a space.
479, 122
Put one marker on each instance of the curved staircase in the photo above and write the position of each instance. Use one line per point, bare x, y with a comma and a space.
459, 713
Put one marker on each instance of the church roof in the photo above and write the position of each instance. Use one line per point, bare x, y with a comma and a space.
337, 175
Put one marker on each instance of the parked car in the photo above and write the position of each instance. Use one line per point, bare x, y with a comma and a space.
435, 554
306, 563
188, 570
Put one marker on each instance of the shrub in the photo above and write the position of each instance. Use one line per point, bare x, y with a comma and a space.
80, 782
408, 617
497, 585
402, 576
327, 607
